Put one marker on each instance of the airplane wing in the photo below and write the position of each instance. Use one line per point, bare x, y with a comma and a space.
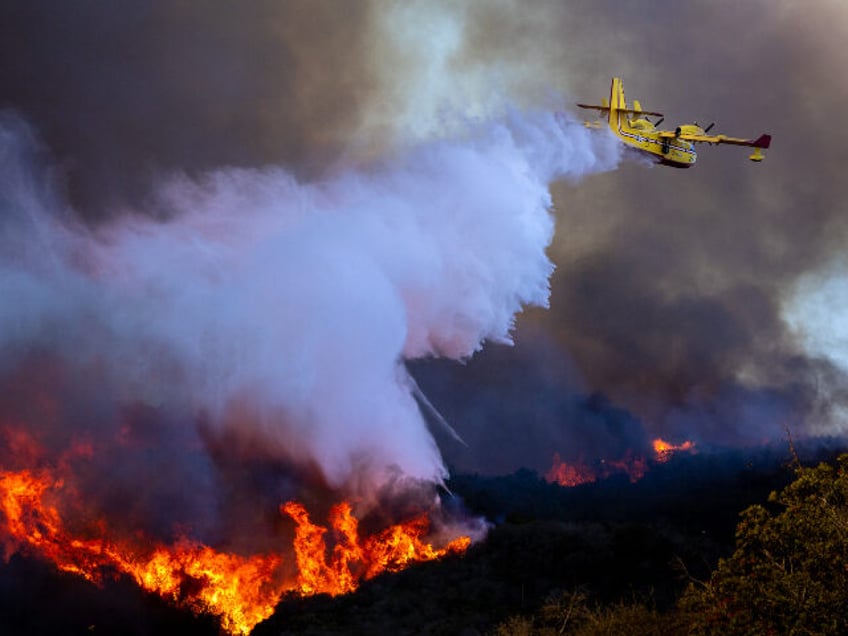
763, 141
629, 111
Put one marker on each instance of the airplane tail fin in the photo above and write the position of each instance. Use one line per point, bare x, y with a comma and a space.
616, 100
616, 106
763, 141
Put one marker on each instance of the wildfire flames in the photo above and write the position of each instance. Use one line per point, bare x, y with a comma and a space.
241, 590
634, 466
663, 450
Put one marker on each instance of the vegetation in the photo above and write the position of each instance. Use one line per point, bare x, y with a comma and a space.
787, 575
572, 613
789, 572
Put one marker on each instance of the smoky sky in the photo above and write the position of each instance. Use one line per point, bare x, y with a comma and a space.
128, 91
671, 286
666, 308
673, 306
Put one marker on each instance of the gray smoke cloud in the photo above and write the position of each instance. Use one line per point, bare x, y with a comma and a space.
673, 301
127, 92
676, 297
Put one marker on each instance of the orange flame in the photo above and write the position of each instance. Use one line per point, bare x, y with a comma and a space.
664, 450
634, 466
240, 590
570, 475
389, 550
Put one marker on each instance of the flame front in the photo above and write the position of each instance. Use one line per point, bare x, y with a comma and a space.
351, 559
240, 590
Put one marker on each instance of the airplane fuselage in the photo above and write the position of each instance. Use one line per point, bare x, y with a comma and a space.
642, 135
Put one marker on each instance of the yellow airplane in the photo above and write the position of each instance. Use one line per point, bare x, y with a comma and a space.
674, 148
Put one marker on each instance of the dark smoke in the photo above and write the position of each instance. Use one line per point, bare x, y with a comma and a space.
516, 406
673, 288
124, 92
672, 297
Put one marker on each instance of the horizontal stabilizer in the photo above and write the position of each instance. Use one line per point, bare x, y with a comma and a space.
593, 107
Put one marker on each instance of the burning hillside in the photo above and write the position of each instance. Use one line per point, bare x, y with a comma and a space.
241, 590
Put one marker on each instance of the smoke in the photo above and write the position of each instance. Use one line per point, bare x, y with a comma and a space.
515, 406
224, 231
279, 312
341, 128
128, 93
671, 298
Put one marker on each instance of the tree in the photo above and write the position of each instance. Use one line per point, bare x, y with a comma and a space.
789, 571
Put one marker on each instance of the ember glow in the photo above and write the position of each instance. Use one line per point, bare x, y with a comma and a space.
570, 474
241, 590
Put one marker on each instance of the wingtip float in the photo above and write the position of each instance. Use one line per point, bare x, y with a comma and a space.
675, 148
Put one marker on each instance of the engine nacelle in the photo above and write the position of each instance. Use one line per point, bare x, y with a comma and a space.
689, 129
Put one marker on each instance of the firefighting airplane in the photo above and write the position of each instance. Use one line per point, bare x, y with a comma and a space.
674, 148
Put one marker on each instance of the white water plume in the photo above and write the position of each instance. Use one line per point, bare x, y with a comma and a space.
284, 310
